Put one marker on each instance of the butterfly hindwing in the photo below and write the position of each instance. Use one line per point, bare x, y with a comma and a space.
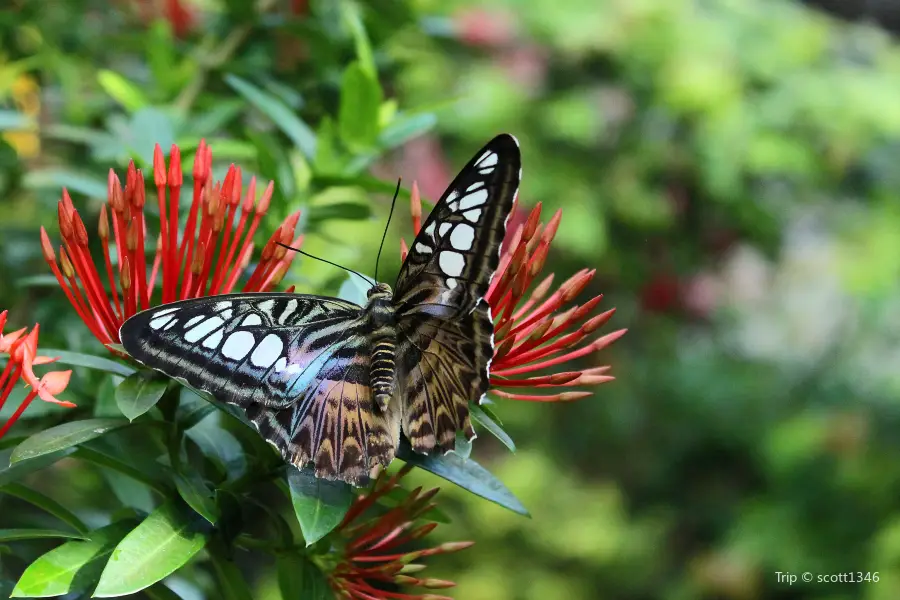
444, 326
298, 365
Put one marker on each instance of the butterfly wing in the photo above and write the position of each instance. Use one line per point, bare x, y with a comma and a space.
444, 326
298, 365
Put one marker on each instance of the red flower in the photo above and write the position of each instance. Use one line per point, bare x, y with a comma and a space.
21, 351
370, 560
209, 259
533, 332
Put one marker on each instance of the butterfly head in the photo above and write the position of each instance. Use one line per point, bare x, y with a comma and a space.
379, 291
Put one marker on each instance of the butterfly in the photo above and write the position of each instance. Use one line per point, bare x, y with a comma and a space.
332, 383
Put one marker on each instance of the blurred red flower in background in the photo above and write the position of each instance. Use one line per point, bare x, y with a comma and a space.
209, 259
20, 349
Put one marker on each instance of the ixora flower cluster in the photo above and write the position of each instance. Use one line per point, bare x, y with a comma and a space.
20, 350
539, 329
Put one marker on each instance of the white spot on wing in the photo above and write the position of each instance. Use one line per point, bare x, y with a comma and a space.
462, 236
488, 159
166, 311
251, 319
222, 305
227, 314
203, 329
452, 196
473, 215
451, 263
214, 340
474, 199
451, 285
238, 345
267, 306
159, 322
430, 229
420, 247
280, 364
288, 311
193, 321
443, 229
268, 351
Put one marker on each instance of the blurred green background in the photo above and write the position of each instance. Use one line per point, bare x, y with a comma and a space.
730, 168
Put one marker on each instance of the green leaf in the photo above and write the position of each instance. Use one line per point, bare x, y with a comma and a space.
64, 436
406, 127
214, 120
140, 392
319, 504
463, 447
198, 496
72, 567
367, 183
358, 110
299, 578
351, 211
281, 115
80, 359
467, 474
483, 418
192, 408
13, 535
160, 545
11, 120
159, 591
87, 184
232, 584
13, 472
121, 90
46, 504
350, 13
118, 465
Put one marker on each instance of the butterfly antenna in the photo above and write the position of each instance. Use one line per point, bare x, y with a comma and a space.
388, 224
299, 251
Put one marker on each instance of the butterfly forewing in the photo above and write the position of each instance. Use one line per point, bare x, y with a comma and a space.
298, 365
444, 327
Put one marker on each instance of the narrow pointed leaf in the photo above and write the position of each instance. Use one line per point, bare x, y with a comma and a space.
14, 471
283, 117
467, 474
481, 416
12, 535
300, 578
463, 447
320, 505
404, 128
140, 392
72, 567
232, 584
121, 90
167, 539
64, 436
198, 496
358, 110
46, 504
80, 359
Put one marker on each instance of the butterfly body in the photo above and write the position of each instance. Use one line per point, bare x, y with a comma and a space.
380, 311
332, 383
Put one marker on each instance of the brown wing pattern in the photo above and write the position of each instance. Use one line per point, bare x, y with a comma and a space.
444, 326
297, 365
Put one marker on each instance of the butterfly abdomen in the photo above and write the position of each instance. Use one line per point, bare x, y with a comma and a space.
384, 345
